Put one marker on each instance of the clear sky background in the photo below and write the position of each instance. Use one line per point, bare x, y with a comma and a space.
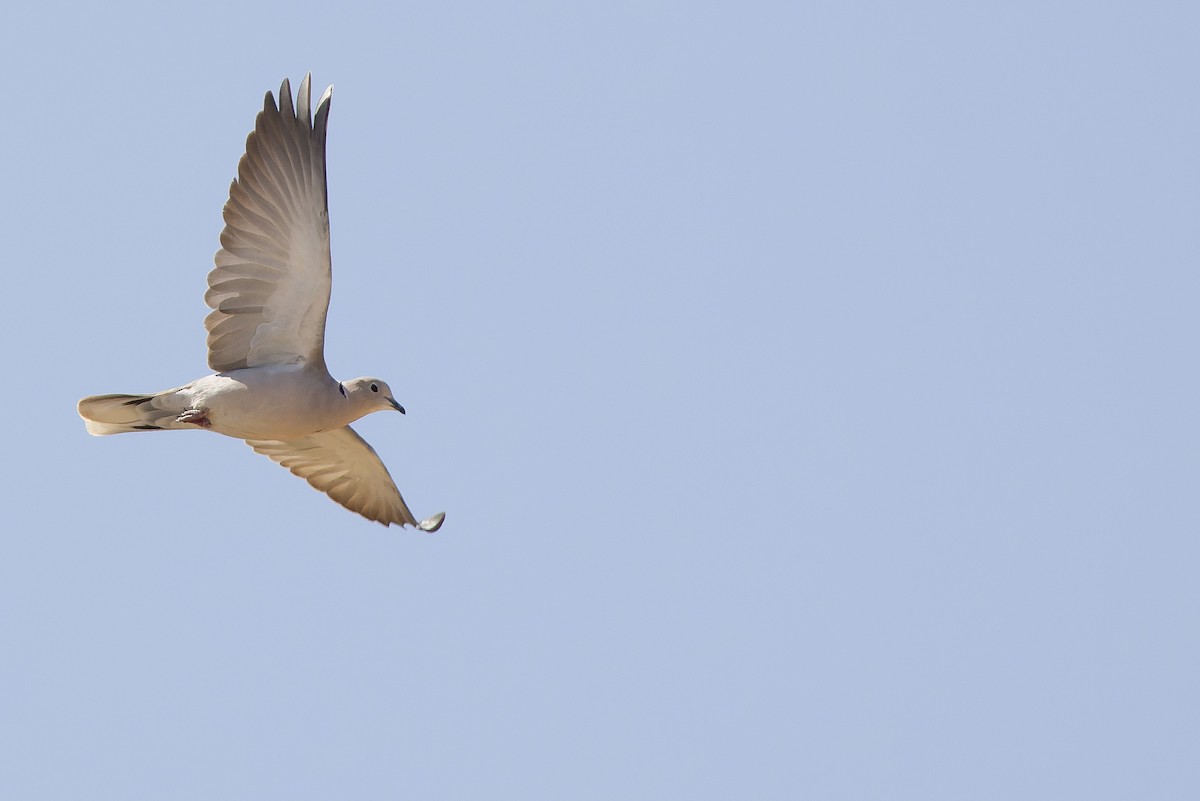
811, 389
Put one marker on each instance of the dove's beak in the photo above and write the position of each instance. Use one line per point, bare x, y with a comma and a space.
395, 405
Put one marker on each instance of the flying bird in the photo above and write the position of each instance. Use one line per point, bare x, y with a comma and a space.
269, 295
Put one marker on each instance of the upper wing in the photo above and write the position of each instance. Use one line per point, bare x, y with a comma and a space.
270, 289
341, 464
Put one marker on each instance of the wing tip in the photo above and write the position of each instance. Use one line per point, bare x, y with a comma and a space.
285, 99
432, 524
321, 119
301, 109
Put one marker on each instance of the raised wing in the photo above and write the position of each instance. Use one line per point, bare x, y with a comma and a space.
270, 289
341, 464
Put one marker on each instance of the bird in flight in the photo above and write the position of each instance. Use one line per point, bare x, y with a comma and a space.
269, 295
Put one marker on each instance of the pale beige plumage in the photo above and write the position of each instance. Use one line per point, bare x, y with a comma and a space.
341, 464
270, 289
269, 293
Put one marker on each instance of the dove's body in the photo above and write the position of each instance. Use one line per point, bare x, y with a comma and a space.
280, 403
269, 294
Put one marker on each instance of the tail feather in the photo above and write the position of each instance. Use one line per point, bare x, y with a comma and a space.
118, 414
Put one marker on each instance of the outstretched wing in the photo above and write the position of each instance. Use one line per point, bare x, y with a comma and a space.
341, 464
270, 289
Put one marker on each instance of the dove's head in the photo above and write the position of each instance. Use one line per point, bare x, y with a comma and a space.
371, 394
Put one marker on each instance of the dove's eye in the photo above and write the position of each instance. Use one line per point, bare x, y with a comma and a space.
374, 387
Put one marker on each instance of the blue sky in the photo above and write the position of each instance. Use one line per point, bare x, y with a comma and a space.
810, 389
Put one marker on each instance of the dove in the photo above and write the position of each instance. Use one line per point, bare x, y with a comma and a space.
269, 295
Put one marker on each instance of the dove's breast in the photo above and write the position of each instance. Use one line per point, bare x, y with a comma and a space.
278, 403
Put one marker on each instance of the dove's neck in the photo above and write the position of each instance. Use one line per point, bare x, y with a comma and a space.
348, 407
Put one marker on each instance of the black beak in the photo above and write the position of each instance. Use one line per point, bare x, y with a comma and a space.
395, 405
